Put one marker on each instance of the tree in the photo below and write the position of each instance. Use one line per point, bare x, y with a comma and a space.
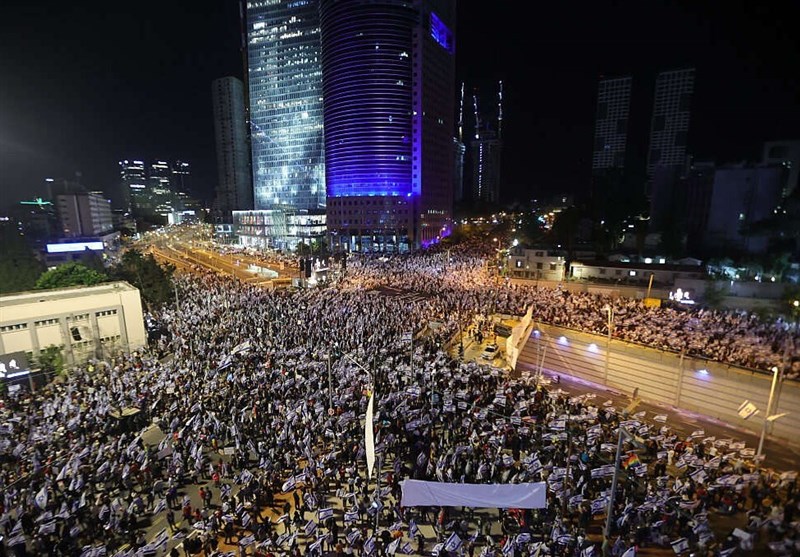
50, 360
154, 281
69, 274
714, 295
19, 266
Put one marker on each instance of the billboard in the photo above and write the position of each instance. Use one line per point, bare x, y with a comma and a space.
14, 365
74, 246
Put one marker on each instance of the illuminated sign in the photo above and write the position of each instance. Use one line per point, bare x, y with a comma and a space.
13, 365
74, 246
680, 296
441, 34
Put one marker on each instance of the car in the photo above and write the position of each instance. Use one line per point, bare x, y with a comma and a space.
490, 352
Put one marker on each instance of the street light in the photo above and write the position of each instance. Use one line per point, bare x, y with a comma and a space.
623, 434
767, 417
610, 326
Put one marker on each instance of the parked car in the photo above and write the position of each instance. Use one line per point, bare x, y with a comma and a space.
490, 352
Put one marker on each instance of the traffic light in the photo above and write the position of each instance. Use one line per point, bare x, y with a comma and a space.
308, 268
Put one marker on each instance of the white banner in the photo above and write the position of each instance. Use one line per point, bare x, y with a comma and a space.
418, 493
369, 437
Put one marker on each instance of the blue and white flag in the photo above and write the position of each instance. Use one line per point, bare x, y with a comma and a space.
41, 498
406, 549
310, 527
288, 485
453, 543
369, 545
679, 545
324, 514
350, 517
247, 540
160, 506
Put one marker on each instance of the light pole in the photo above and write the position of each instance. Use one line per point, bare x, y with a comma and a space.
767, 416
610, 327
623, 434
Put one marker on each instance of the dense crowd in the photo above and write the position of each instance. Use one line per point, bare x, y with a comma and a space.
279, 382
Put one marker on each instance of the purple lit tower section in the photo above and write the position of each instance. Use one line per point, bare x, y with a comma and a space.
388, 84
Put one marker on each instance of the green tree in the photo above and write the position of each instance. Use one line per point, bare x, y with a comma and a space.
714, 295
154, 281
50, 360
19, 266
69, 274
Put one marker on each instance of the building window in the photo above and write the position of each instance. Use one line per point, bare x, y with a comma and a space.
602, 271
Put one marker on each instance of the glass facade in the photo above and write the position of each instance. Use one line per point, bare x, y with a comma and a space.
285, 79
368, 113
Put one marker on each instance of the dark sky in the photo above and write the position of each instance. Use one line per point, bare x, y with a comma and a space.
85, 84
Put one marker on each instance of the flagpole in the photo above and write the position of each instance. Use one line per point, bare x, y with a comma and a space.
610, 511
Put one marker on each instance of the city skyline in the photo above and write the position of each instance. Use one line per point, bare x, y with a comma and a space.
98, 84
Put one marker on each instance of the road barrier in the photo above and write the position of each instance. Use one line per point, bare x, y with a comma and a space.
710, 388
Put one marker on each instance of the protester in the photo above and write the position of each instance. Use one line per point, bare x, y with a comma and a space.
283, 379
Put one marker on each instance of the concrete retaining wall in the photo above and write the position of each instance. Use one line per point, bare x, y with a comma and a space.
701, 386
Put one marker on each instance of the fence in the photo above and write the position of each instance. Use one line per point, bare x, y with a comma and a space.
710, 388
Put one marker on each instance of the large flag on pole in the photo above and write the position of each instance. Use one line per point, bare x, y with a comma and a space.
369, 437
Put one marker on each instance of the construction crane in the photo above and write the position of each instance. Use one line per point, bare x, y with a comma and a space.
461, 116
477, 117
500, 111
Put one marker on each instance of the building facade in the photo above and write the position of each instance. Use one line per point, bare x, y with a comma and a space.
135, 193
486, 153
669, 126
277, 228
388, 89
285, 81
234, 178
786, 153
86, 321
742, 196
611, 123
84, 214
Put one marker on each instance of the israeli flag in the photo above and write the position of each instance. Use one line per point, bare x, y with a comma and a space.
679, 545
310, 527
160, 506
324, 514
369, 545
453, 543
41, 498
288, 485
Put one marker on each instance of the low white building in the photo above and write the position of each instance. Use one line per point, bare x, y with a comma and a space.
624, 272
536, 264
86, 321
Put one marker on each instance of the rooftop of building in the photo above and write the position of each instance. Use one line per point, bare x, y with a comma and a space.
44, 296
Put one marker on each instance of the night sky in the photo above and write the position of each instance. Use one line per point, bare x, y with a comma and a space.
85, 84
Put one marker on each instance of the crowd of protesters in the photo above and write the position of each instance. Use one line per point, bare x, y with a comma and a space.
279, 382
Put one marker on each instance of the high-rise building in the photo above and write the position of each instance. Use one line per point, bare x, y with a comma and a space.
234, 185
285, 80
388, 89
786, 153
669, 127
486, 150
160, 188
743, 195
459, 150
180, 174
84, 214
611, 123
134, 186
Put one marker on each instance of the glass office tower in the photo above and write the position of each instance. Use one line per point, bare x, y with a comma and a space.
389, 93
285, 79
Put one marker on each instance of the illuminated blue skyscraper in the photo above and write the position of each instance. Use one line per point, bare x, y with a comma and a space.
388, 88
285, 81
